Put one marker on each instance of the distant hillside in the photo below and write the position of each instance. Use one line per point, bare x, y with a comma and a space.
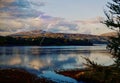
40, 33
109, 34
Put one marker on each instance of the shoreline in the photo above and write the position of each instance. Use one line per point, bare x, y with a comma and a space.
77, 74
19, 75
16, 75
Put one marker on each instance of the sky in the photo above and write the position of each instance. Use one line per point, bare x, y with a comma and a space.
58, 16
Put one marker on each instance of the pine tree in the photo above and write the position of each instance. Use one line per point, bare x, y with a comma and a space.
113, 22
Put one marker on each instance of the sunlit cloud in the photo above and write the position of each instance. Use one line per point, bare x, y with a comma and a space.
19, 15
95, 20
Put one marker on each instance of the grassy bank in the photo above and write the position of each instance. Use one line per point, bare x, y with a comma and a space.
101, 74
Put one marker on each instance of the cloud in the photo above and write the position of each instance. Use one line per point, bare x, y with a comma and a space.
92, 26
21, 8
88, 26
26, 15
70, 25
20, 3
18, 15
30, 24
37, 2
3, 3
95, 20
10, 25
63, 27
18, 25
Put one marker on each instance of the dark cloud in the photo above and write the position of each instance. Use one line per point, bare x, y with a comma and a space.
37, 3
20, 4
4, 3
21, 8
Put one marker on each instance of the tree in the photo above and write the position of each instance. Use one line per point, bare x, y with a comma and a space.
111, 73
113, 22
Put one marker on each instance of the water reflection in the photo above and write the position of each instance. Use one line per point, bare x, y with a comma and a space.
51, 58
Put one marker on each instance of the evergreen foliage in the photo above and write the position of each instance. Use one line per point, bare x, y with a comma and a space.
113, 22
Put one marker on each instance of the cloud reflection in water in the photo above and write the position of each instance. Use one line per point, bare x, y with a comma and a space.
43, 58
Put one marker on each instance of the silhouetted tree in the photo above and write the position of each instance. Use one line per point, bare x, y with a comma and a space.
113, 22
111, 73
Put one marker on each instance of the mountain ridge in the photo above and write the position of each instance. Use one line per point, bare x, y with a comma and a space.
39, 33
109, 34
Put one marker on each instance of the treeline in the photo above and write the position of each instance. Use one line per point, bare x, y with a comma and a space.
40, 41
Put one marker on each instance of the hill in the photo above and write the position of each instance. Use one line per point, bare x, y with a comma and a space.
109, 34
39, 33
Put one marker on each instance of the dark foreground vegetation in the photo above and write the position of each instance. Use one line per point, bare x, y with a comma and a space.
20, 76
98, 74
40, 41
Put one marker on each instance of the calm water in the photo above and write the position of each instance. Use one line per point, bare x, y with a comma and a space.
49, 58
